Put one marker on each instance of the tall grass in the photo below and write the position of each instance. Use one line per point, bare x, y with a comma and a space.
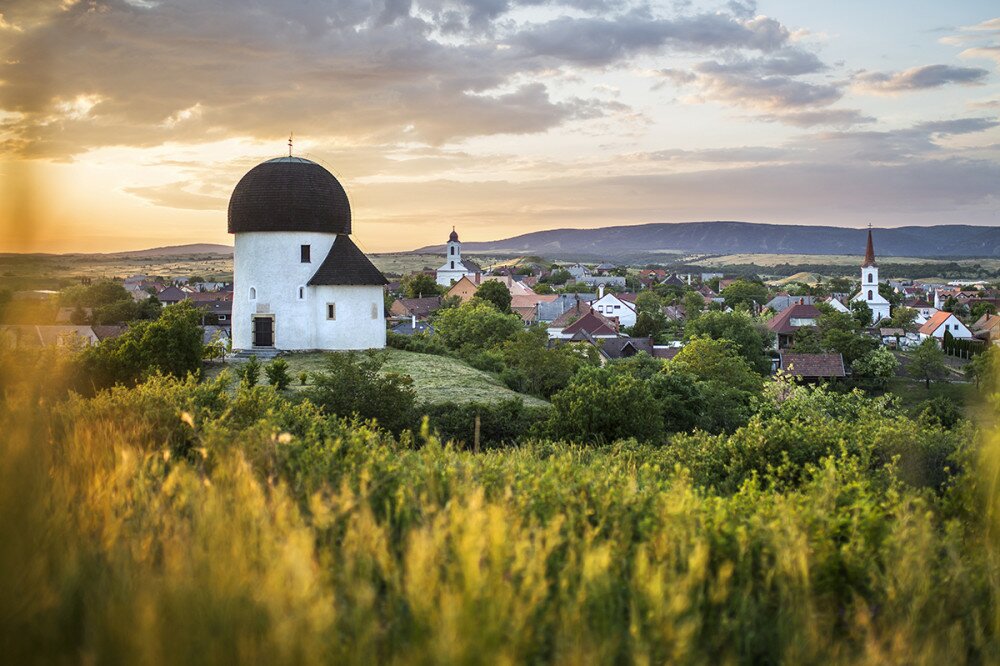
175, 523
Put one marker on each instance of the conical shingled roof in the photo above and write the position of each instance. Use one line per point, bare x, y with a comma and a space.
347, 265
869, 252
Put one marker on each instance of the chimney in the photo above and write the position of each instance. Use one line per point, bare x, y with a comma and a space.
600, 291
689, 279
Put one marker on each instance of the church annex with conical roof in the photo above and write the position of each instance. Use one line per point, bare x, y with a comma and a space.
299, 281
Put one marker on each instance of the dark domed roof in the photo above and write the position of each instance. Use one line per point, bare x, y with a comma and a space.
289, 194
454, 235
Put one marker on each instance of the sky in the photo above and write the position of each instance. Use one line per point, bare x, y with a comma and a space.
125, 124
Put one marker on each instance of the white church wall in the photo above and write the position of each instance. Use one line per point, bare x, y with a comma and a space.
354, 326
270, 264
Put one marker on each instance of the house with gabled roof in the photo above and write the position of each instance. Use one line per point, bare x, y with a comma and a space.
944, 322
786, 323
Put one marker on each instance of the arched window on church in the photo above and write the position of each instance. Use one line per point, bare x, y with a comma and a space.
869, 294
453, 265
870, 280
253, 293
453, 249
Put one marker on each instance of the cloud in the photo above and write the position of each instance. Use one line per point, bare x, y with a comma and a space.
982, 52
957, 126
599, 41
174, 195
918, 78
824, 117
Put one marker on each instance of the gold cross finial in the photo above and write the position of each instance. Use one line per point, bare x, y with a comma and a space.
290, 135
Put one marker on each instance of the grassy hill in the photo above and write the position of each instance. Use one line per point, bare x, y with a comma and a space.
435, 378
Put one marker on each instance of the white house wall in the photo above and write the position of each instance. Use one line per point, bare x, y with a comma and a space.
270, 263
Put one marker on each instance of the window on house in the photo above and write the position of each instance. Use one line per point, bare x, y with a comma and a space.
304, 251
253, 293
331, 311
302, 293
374, 311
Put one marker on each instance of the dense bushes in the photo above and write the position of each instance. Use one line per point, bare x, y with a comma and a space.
170, 344
178, 523
502, 423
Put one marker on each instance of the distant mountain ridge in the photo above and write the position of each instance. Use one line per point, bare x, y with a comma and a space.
171, 250
644, 240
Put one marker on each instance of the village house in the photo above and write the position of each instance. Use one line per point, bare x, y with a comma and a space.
944, 322
621, 306
421, 308
987, 328
465, 288
785, 324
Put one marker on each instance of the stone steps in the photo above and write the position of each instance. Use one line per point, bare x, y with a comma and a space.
261, 354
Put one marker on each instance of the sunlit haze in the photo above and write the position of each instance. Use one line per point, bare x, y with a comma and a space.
125, 124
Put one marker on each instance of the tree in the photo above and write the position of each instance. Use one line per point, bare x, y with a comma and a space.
807, 341
903, 317
693, 304
744, 292
749, 338
982, 308
861, 313
649, 302
717, 361
558, 276
605, 404
171, 344
353, 384
277, 374
476, 324
419, 285
495, 292
878, 365
530, 366
984, 368
927, 362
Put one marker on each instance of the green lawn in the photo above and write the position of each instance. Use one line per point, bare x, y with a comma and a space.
435, 378
912, 392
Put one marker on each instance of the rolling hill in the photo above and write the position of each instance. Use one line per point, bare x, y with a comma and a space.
648, 240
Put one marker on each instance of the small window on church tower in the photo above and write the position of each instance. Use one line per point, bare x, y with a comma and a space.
453, 249
869, 294
870, 280
453, 265
302, 293
304, 253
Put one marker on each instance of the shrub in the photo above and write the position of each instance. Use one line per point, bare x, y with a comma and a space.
277, 374
353, 384
502, 423
249, 373
475, 325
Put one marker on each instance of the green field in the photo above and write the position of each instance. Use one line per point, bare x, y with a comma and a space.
435, 378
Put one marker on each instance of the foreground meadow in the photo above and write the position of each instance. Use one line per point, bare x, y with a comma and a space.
178, 522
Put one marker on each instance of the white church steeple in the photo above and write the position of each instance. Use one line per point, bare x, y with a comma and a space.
869, 284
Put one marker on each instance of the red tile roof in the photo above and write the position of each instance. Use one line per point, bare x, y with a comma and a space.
813, 365
934, 323
781, 322
592, 323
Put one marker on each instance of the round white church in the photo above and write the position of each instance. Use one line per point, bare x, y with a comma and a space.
299, 281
